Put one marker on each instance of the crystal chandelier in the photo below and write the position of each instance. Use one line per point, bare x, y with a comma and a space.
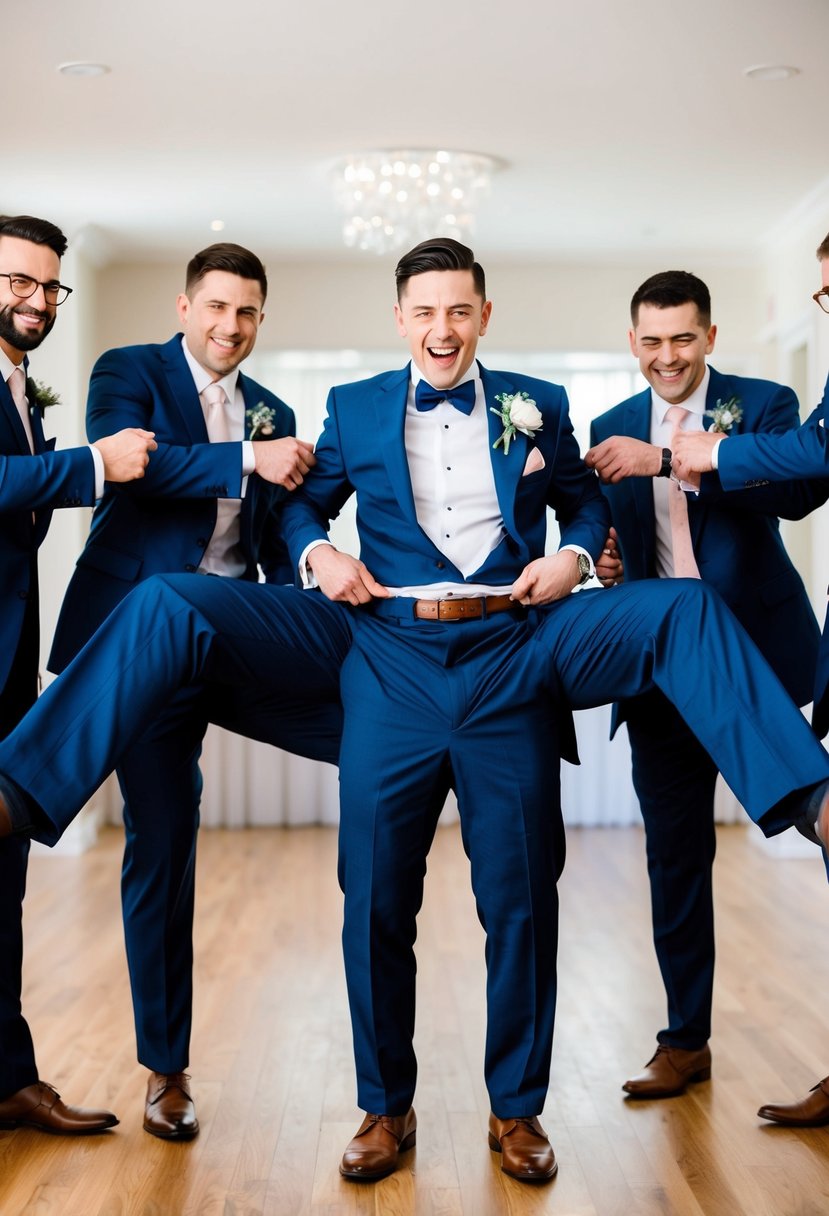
393, 199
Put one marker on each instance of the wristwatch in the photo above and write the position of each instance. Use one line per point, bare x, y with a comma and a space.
667, 457
585, 569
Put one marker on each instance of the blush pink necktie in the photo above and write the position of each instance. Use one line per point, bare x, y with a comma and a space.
685, 564
17, 388
215, 398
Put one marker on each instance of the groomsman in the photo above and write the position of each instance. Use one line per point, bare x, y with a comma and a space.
209, 504
733, 542
34, 480
463, 637
768, 460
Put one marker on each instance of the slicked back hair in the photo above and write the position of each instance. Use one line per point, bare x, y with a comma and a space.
224, 256
39, 232
438, 253
670, 289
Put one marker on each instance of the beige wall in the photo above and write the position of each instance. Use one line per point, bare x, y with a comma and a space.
335, 305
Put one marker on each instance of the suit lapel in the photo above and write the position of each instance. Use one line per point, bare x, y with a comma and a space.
185, 399
17, 443
637, 424
507, 470
389, 405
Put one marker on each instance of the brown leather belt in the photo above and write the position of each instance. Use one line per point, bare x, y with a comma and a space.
470, 609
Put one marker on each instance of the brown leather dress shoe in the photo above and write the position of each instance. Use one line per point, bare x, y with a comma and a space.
40, 1106
526, 1153
170, 1112
669, 1071
813, 1111
375, 1150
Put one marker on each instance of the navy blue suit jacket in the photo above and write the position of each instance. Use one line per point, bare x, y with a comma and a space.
763, 461
362, 450
736, 536
39, 483
163, 522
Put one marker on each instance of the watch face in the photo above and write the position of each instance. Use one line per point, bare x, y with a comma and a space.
584, 567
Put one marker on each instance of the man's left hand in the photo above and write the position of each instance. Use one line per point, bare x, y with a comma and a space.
547, 579
620, 456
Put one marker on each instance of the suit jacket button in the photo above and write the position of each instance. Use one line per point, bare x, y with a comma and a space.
22, 595
190, 569
441, 565
201, 542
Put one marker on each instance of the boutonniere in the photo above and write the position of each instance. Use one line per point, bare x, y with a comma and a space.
518, 412
261, 419
725, 415
39, 395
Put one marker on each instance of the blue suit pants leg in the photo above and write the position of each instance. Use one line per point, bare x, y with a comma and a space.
678, 635
674, 778
161, 785
271, 651
17, 1054
423, 706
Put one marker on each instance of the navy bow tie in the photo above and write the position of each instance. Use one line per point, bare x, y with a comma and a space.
462, 396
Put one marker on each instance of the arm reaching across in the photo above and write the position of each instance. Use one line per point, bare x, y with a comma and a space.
283, 462
126, 453
621, 456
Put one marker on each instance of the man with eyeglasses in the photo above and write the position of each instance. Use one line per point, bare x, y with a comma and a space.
34, 480
760, 460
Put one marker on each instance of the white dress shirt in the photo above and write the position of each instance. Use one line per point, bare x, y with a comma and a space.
661, 434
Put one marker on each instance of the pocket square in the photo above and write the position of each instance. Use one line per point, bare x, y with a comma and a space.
535, 461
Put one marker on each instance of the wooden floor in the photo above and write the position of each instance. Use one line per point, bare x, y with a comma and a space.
271, 1058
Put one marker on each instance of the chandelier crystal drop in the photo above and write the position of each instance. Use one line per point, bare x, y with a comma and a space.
393, 199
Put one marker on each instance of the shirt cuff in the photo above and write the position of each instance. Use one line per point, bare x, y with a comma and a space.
578, 549
98, 465
248, 458
306, 575
715, 455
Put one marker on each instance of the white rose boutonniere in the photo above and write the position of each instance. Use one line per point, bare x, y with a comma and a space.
39, 395
261, 420
518, 412
725, 414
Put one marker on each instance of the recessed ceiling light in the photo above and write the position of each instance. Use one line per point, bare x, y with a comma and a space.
217, 225
80, 68
771, 71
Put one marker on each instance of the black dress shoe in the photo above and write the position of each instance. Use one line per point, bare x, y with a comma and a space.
40, 1106
169, 1112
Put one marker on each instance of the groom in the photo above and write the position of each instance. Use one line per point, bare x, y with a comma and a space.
462, 636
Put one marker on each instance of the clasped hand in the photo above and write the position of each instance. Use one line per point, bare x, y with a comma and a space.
283, 462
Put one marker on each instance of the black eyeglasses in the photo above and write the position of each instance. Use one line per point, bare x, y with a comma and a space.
23, 286
821, 298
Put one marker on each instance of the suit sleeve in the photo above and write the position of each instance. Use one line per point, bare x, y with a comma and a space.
308, 511
120, 395
52, 480
803, 453
781, 468
575, 495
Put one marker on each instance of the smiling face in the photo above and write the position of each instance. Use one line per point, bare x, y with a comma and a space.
220, 319
671, 345
25, 323
442, 316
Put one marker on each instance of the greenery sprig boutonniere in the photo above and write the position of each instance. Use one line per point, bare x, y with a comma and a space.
39, 395
518, 412
261, 420
725, 415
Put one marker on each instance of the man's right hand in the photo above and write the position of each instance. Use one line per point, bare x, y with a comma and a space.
342, 577
126, 453
283, 462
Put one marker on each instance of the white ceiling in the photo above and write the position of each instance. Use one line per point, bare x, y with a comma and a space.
625, 128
